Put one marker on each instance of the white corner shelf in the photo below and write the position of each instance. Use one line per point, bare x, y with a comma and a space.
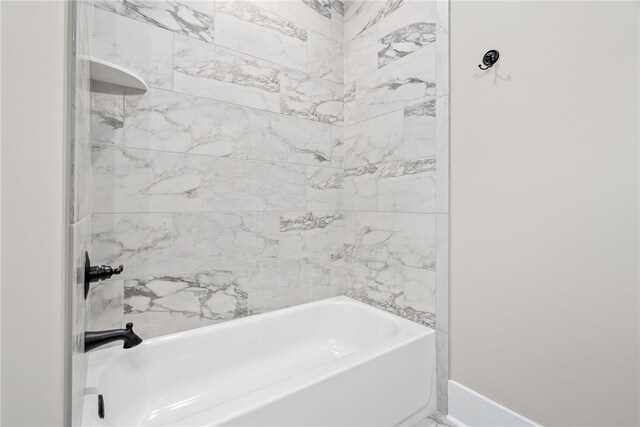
108, 72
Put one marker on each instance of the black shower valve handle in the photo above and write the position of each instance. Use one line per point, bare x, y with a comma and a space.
97, 273
118, 269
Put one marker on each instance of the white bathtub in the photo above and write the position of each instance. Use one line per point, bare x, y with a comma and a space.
335, 362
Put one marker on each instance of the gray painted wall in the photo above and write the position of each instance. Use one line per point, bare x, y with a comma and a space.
34, 220
544, 209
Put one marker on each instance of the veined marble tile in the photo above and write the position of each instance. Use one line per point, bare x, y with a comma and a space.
222, 74
403, 82
80, 94
207, 241
349, 107
310, 98
190, 18
161, 120
241, 185
246, 28
365, 14
148, 181
283, 138
323, 7
338, 285
409, 28
337, 20
351, 8
309, 278
300, 12
401, 290
442, 153
361, 56
170, 303
403, 238
324, 188
311, 235
79, 199
420, 130
407, 186
377, 283
442, 47
349, 234
105, 305
107, 114
442, 373
325, 58
402, 186
360, 188
142, 243
405, 40
337, 144
286, 283
141, 48
419, 296
374, 141
80, 235
411, 12
80, 189
442, 272
267, 292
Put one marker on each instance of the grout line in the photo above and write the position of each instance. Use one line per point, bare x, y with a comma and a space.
275, 65
127, 147
237, 212
404, 107
278, 212
288, 116
388, 162
275, 260
389, 262
207, 156
124, 118
398, 62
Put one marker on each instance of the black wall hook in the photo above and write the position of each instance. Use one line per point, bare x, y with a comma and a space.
489, 59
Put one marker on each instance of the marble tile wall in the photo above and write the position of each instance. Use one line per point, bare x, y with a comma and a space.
286, 151
390, 162
395, 191
220, 188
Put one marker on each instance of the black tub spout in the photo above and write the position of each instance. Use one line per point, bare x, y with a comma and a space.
99, 338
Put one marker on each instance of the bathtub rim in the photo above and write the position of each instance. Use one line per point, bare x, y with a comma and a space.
398, 321
408, 332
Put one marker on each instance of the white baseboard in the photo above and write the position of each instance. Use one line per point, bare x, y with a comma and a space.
470, 409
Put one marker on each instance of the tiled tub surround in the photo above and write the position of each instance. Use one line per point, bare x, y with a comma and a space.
390, 162
258, 171
220, 188
396, 162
